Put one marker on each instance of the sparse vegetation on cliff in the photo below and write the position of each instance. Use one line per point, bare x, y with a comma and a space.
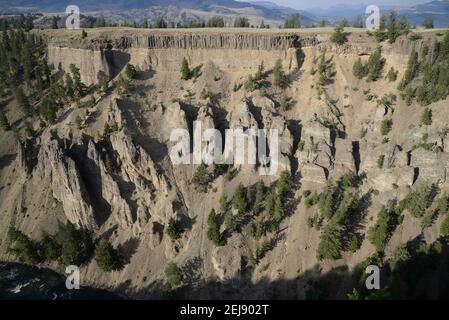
339, 36
107, 258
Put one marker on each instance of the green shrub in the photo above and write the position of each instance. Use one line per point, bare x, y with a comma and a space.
386, 126
201, 178
260, 197
279, 78
107, 258
223, 202
348, 180
311, 200
284, 184
23, 247
353, 243
185, 70
278, 212
329, 199
348, 208
401, 256
375, 65
239, 201
392, 75
255, 228
251, 84
359, 70
284, 104
230, 222
130, 71
386, 223
444, 228
426, 117
122, 85
213, 231
292, 23
173, 274
174, 229
241, 22
329, 246
419, 200
380, 161
411, 71
51, 250
339, 37
76, 244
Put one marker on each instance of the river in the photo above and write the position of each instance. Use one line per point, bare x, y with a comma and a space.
18, 282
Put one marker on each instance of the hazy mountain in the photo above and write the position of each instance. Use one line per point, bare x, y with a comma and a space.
223, 7
437, 10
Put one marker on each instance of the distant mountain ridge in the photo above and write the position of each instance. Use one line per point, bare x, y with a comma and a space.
256, 10
220, 7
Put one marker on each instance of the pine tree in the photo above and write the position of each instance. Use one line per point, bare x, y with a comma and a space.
241, 22
24, 103
279, 79
107, 258
392, 75
229, 222
375, 65
411, 72
78, 86
260, 197
339, 37
392, 30
359, 69
173, 274
69, 87
161, 24
47, 110
329, 246
426, 117
293, 23
428, 23
54, 23
185, 71
130, 71
240, 201
174, 229
213, 231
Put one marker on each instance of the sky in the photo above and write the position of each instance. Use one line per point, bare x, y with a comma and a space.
304, 4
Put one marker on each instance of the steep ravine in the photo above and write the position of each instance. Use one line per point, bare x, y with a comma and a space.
53, 181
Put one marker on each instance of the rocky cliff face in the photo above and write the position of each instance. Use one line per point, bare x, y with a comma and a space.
325, 132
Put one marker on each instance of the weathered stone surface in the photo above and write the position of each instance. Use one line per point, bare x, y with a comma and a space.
344, 154
227, 262
388, 179
271, 122
314, 131
67, 185
312, 173
110, 191
431, 165
137, 164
